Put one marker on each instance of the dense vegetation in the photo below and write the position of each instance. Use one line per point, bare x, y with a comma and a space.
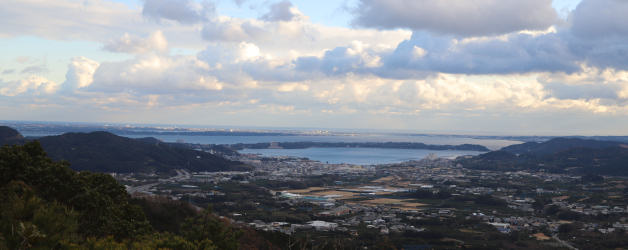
396, 145
46, 205
557, 145
106, 152
576, 156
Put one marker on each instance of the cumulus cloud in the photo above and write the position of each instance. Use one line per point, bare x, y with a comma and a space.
515, 53
609, 86
137, 45
464, 18
80, 73
182, 11
224, 30
298, 37
473, 63
154, 74
31, 84
561, 49
282, 11
356, 58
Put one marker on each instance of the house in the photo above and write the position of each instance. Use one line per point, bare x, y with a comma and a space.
501, 227
323, 225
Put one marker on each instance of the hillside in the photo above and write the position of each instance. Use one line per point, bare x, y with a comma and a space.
46, 205
10, 136
106, 152
560, 155
557, 145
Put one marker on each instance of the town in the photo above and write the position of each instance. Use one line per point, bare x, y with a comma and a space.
297, 197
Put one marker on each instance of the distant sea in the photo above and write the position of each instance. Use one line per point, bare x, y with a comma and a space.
363, 156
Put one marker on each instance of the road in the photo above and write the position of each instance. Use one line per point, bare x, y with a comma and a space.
181, 176
564, 243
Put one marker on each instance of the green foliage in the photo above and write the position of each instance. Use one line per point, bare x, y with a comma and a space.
102, 204
154, 241
207, 226
46, 205
165, 215
27, 221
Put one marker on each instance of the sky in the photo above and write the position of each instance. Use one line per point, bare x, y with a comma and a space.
534, 67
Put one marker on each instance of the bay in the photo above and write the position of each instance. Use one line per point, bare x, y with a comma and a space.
359, 156
492, 144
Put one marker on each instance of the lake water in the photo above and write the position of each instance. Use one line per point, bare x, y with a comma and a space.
359, 156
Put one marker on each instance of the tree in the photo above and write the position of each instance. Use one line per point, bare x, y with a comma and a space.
207, 229
27, 221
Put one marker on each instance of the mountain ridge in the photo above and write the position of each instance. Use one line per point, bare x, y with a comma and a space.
105, 152
560, 155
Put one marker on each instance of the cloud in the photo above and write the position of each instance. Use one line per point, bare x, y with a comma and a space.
563, 48
514, 53
297, 38
239, 2
35, 69
609, 86
80, 73
33, 84
182, 11
282, 11
224, 30
356, 58
154, 74
600, 19
138, 45
462, 18
94, 21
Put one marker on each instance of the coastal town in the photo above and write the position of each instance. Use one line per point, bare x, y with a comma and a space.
294, 196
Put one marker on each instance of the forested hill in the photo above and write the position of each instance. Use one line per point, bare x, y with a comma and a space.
560, 155
557, 145
10, 136
46, 205
106, 152
395, 145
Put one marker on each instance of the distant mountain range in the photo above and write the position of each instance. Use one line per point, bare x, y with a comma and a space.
106, 152
560, 155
